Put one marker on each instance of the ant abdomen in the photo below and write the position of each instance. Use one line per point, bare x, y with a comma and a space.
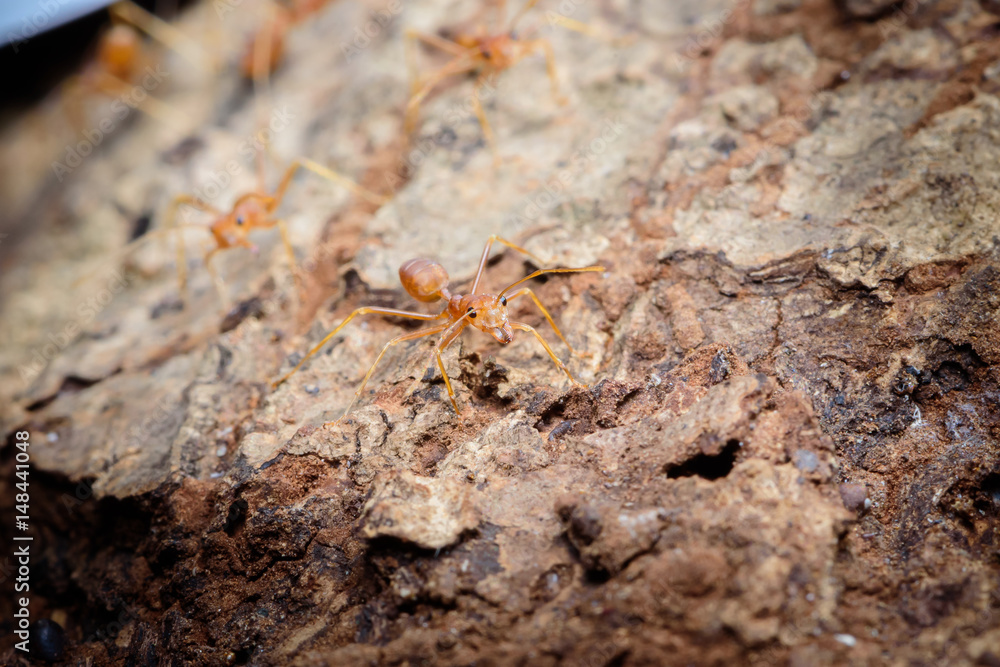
423, 279
119, 51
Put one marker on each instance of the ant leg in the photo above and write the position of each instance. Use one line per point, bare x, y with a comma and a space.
460, 64
283, 228
520, 14
360, 311
552, 355
410, 53
128, 248
591, 31
454, 48
500, 9
326, 173
395, 341
159, 30
289, 251
448, 339
545, 312
216, 279
550, 67
171, 224
540, 272
72, 101
486, 255
411, 38
111, 85
477, 107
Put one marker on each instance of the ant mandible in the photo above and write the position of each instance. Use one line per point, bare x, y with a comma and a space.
483, 53
427, 281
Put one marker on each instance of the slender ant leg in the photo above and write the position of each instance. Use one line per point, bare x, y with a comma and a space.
360, 311
552, 355
395, 341
486, 256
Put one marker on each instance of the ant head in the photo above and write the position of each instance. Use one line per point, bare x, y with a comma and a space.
488, 313
496, 49
246, 214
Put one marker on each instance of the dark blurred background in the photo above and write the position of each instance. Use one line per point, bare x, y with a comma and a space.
30, 69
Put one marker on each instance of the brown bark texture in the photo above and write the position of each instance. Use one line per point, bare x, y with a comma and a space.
786, 449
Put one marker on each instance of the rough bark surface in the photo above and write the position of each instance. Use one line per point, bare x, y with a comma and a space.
787, 451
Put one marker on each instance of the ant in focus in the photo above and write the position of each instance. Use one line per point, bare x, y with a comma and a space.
486, 55
427, 281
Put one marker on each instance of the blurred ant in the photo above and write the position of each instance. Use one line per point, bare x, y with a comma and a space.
123, 58
250, 211
254, 210
427, 281
231, 229
266, 47
483, 53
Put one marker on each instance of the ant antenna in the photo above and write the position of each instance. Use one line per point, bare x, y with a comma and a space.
544, 271
517, 17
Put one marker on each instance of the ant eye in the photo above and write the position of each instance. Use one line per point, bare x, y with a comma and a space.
472, 313
503, 300
239, 220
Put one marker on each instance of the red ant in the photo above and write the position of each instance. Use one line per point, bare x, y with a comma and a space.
266, 47
427, 281
483, 53
121, 59
254, 210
